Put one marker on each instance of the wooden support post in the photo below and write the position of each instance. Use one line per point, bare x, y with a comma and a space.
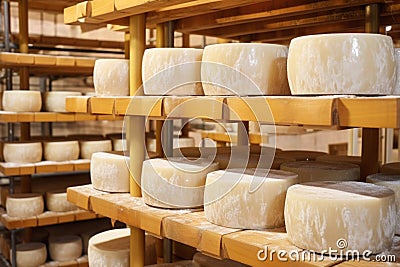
243, 133
185, 40
135, 131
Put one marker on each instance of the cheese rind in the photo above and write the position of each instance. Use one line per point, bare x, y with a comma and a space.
391, 181
391, 168
22, 152
176, 182
65, 248
30, 254
172, 71
245, 69
313, 171
337, 158
22, 101
111, 77
318, 215
55, 101
87, 148
251, 199
61, 150
397, 84
301, 155
109, 172
57, 201
118, 144
24, 205
347, 63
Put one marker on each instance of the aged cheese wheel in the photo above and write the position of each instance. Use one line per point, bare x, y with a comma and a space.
176, 182
251, 199
109, 172
22, 152
397, 58
30, 254
65, 248
57, 201
172, 71
245, 69
391, 181
313, 171
22, 101
337, 158
111, 77
301, 155
340, 215
391, 168
87, 148
177, 142
118, 144
61, 150
24, 205
347, 63
55, 101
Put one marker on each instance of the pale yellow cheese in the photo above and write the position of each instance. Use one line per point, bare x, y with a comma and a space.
347, 63
22, 101
22, 152
57, 201
172, 71
61, 150
319, 214
337, 158
251, 199
87, 148
397, 58
30, 254
177, 143
111, 77
55, 101
391, 181
176, 182
313, 171
301, 155
119, 144
65, 248
109, 172
391, 168
24, 205
244, 69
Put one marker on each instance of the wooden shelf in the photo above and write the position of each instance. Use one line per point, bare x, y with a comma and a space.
8, 116
47, 65
50, 6
80, 262
228, 138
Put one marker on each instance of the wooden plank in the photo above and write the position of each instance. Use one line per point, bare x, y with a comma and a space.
45, 167
77, 104
82, 215
64, 217
27, 169
102, 105
80, 195
8, 116
81, 164
16, 222
85, 117
142, 106
194, 106
26, 116
9, 169
229, 138
65, 61
84, 62
101, 117
65, 167
44, 60
45, 116
47, 218
65, 117
121, 105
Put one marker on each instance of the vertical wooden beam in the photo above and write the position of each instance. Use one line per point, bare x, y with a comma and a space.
135, 131
243, 133
185, 40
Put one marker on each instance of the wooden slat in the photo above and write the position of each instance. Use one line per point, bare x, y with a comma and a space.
15, 169
77, 104
228, 138
80, 195
102, 105
141, 106
195, 106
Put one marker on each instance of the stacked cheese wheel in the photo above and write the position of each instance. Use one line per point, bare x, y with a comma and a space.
24, 205
55, 101
61, 150
22, 101
30, 254
65, 248
111, 77
22, 152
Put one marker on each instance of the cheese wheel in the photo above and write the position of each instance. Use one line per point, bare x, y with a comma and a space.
250, 199
57, 201
55, 101
397, 84
65, 248
347, 63
313, 171
24, 205
87, 148
111, 77
301, 155
172, 71
22, 101
22, 152
109, 172
118, 144
341, 216
245, 69
391, 181
61, 150
391, 168
177, 142
30, 254
206, 261
176, 182
338, 158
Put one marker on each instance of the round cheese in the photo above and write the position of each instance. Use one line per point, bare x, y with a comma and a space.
391, 181
22, 152
22, 101
109, 248
177, 143
251, 199
57, 201
301, 155
55, 101
61, 150
313, 171
87, 148
24, 205
118, 144
244, 69
347, 63
340, 215
176, 182
109, 172
65, 248
337, 158
111, 77
172, 71
30, 254
397, 84
391, 168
